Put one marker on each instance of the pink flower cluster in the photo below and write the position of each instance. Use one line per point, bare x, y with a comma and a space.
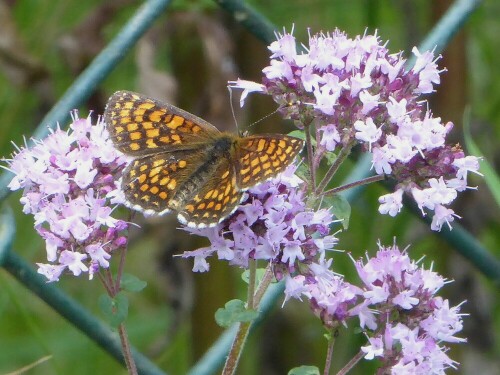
69, 180
353, 91
405, 322
271, 224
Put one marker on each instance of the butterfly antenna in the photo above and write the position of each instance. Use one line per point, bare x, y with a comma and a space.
232, 108
266, 116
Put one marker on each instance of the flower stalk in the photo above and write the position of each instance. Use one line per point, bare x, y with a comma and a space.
364, 181
127, 354
252, 271
344, 153
253, 302
310, 158
112, 287
332, 335
350, 365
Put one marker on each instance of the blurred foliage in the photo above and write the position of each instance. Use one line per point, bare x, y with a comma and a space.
47, 43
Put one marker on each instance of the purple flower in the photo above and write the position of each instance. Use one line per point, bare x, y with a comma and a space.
330, 297
367, 131
247, 86
391, 203
330, 138
442, 215
352, 90
466, 164
74, 261
412, 323
272, 224
68, 180
375, 349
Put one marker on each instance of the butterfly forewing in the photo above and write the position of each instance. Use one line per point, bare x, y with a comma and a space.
139, 125
261, 157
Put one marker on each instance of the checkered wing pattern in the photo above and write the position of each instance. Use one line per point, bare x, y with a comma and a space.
215, 200
261, 157
184, 164
151, 182
139, 125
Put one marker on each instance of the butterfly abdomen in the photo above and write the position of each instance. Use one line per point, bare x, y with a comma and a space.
220, 150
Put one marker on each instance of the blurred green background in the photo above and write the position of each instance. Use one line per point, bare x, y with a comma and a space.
187, 58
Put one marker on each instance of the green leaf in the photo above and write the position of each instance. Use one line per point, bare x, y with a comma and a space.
300, 134
303, 171
234, 311
131, 283
490, 176
328, 336
115, 310
259, 274
330, 157
105, 303
339, 206
304, 370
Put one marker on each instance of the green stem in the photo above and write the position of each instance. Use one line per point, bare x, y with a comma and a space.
213, 359
122, 331
121, 265
344, 153
351, 363
252, 270
310, 161
109, 288
243, 329
329, 352
351, 185
109, 281
264, 284
236, 349
127, 354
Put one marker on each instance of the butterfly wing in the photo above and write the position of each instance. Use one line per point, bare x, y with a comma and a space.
217, 198
139, 125
263, 156
150, 183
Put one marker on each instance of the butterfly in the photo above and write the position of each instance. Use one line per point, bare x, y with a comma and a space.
181, 163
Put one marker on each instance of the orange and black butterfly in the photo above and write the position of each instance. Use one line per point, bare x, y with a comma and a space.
185, 164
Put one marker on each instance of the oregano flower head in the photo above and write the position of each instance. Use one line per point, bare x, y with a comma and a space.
69, 181
354, 91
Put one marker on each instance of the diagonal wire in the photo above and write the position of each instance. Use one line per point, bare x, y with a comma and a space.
258, 25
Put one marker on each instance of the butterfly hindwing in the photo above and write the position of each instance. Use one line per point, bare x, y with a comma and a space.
150, 183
